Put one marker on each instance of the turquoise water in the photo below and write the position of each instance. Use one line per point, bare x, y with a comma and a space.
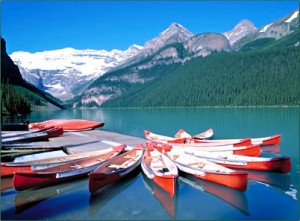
270, 196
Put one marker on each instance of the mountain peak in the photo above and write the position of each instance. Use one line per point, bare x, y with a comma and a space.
245, 23
175, 33
176, 28
243, 28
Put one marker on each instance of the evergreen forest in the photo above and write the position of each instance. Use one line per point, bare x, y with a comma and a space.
265, 77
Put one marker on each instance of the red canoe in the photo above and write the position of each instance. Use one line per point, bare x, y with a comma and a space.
252, 150
209, 171
186, 140
31, 179
269, 140
160, 169
208, 134
67, 124
8, 168
275, 164
43, 135
115, 168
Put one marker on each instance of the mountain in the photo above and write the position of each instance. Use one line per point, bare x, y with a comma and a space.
10, 74
175, 33
66, 72
175, 45
242, 29
269, 33
73, 73
204, 70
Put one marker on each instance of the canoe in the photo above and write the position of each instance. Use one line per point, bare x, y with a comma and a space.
67, 124
186, 140
209, 171
115, 168
252, 150
208, 134
14, 151
8, 168
273, 164
269, 140
160, 169
205, 135
32, 179
35, 136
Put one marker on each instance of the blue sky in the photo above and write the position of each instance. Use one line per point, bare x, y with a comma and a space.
49, 25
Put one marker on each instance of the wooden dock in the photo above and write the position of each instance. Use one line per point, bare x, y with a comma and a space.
82, 141
72, 142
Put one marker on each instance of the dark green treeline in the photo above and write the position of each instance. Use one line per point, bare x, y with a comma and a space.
13, 101
253, 78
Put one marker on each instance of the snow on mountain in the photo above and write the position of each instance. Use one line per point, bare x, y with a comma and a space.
242, 29
294, 16
265, 28
58, 71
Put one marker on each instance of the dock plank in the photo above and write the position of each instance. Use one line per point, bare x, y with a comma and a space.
77, 142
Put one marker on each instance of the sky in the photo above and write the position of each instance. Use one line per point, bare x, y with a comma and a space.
36, 26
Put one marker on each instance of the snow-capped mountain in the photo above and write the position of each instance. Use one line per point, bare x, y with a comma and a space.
281, 27
242, 29
274, 30
59, 72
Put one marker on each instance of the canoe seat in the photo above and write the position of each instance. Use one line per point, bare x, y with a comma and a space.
200, 165
76, 166
130, 157
117, 166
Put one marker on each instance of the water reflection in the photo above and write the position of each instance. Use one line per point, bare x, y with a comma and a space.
28, 198
6, 184
281, 181
169, 203
233, 197
100, 198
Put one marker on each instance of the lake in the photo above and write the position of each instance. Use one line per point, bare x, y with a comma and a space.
270, 196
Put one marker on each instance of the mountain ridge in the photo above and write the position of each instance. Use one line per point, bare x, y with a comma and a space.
175, 44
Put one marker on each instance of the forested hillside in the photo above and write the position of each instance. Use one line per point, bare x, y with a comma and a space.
253, 78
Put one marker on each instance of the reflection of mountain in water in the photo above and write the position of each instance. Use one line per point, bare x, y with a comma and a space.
233, 197
169, 203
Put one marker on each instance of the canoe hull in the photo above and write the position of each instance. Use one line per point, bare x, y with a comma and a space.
31, 179
235, 180
160, 169
281, 165
166, 183
115, 169
68, 124
66, 171
7, 171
